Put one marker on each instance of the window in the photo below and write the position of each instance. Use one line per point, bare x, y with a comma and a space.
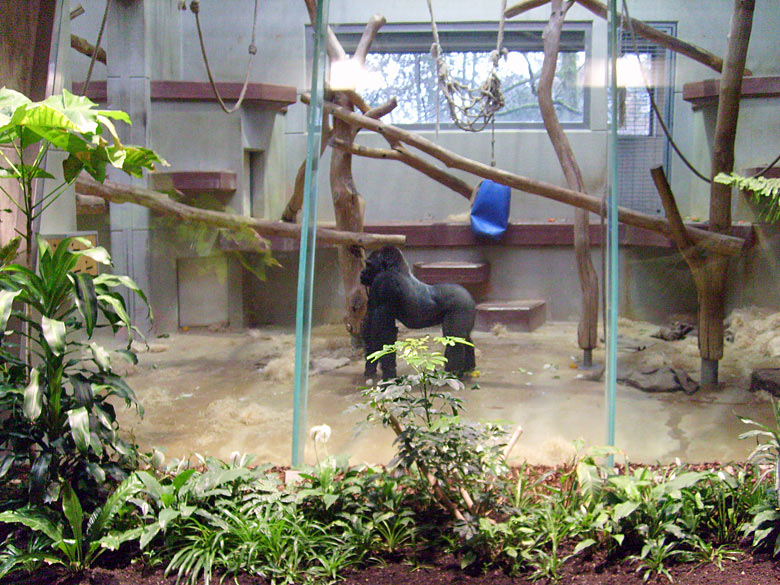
400, 65
641, 140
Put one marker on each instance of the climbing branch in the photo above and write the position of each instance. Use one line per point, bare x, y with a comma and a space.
587, 331
119, 193
720, 243
641, 28
84, 47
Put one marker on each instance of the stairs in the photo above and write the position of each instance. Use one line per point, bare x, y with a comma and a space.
514, 315
525, 315
456, 272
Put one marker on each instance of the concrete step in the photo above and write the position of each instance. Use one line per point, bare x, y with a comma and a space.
454, 272
514, 315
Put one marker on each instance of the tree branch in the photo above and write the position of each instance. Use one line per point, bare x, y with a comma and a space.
401, 154
119, 193
720, 243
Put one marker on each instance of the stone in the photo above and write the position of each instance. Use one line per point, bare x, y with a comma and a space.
663, 379
767, 379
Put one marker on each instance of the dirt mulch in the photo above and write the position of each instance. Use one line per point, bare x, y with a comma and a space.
752, 569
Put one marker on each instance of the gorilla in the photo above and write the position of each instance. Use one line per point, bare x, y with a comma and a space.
394, 293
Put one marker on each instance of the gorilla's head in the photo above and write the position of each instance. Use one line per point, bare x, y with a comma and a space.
386, 258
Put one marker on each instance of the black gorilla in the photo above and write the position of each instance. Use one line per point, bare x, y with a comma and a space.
394, 293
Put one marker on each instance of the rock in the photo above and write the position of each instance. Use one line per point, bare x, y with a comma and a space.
663, 379
678, 330
767, 379
326, 364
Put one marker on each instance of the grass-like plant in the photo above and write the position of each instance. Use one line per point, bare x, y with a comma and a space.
76, 545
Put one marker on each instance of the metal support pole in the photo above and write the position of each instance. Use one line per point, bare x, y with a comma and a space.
308, 236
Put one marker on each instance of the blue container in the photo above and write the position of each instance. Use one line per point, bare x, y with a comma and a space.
490, 210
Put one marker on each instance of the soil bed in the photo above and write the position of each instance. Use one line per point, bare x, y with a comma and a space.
758, 569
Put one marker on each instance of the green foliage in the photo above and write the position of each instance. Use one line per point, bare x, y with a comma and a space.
456, 455
764, 526
75, 542
72, 124
58, 418
766, 193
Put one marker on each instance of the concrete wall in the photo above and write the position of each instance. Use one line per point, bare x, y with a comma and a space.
269, 147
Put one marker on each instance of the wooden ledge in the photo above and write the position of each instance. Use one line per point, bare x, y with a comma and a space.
196, 182
531, 234
705, 93
264, 95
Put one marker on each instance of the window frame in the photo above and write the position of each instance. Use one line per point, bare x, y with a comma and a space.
473, 36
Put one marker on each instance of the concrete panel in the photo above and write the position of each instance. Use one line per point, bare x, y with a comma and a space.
203, 291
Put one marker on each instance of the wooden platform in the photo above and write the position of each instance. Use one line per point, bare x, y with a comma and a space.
454, 272
514, 315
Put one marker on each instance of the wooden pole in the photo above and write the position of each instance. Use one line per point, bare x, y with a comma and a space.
712, 297
587, 330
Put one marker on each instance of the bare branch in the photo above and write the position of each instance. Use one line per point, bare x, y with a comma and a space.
119, 193
720, 243
672, 43
86, 48
401, 154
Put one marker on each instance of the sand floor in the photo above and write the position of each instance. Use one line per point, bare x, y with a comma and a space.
220, 392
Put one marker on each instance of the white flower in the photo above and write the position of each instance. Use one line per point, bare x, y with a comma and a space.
320, 433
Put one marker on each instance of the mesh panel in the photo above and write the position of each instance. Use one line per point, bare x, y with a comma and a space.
641, 141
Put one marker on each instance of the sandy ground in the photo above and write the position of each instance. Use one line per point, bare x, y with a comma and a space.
220, 392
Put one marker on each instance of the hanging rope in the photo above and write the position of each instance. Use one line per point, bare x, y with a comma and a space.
195, 7
97, 46
471, 108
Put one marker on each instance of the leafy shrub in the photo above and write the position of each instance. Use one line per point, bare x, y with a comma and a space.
60, 425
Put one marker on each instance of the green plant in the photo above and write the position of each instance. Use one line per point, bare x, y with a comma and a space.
765, 523
456, 460
84, 542
59, 420
766, 192
68, 123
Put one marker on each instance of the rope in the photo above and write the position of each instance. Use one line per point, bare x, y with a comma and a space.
195, 7
471, 108
97, 46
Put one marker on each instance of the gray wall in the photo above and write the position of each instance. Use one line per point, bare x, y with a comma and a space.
200, 136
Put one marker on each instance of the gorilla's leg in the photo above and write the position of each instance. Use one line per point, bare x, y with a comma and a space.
460, 357
380, 331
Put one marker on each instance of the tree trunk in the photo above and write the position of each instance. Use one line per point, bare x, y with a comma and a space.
712, 297
587, 331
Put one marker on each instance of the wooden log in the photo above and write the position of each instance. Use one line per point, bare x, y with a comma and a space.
712, 298
120, 193
587, 330
403, 155
90, 205
720, 243
86, 48
668, 41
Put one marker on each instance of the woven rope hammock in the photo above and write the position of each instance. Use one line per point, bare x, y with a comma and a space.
471, 108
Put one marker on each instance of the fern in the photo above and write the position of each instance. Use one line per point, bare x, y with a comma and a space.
765, 192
